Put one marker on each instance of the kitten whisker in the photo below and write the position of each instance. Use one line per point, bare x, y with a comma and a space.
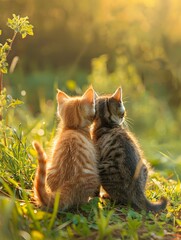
128, 123
131, 120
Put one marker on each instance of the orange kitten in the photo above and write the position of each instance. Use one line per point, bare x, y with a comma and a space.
71, 170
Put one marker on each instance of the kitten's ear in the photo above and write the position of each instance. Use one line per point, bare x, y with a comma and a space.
61, 96
96, 95
118, 95
90, 95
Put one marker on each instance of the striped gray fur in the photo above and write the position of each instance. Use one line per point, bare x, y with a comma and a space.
121, 164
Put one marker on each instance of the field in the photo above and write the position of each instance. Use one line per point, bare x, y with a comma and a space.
98, 219
71, 45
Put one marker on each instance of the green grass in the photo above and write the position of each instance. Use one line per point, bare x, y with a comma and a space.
98, 219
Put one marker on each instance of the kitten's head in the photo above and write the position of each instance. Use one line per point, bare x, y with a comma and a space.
76, 112
110, 109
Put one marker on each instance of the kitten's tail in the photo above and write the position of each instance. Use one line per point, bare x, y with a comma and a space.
157, 206
40, 193
141, 202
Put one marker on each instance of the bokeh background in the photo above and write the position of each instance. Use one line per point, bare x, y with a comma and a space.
106, 43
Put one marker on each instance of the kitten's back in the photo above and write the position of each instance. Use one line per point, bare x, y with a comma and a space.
71, 170
121, 164
74, 157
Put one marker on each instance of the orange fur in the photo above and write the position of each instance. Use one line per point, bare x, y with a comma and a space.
71, 170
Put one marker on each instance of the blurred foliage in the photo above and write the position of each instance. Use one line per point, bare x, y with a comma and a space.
146, 32
3, 51
135, 44
18, 25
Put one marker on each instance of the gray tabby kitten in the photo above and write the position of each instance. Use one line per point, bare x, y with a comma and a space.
121, 164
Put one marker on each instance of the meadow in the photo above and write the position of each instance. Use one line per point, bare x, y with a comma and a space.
109, 52
98, 219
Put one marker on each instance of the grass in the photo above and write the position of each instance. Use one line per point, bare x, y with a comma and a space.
99, 219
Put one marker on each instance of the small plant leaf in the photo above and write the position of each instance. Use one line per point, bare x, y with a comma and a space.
20, 25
